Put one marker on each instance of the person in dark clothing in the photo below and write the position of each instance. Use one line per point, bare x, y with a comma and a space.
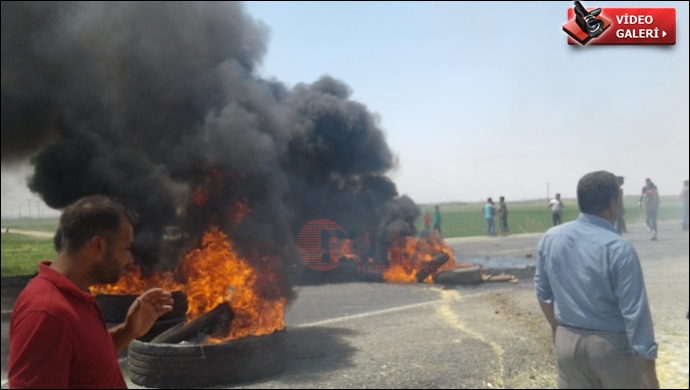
620, 222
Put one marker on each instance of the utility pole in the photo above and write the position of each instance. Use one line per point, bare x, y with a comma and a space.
28, 201
548, 192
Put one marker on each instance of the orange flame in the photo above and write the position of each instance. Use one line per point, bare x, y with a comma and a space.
132, 282
217, 275
409, 256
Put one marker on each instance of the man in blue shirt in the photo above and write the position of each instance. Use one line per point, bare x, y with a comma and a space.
437, 222
590, 287
489, 215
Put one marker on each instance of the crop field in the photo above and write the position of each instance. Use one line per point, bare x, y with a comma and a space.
21, 253
467, 219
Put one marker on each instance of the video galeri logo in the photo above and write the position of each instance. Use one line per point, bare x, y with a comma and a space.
586, 25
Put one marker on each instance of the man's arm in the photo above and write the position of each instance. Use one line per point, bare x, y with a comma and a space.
543, 287
547, 309
649, 378
634, 307
143, 313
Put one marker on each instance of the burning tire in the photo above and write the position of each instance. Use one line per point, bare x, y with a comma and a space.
115, 307
465, 275
195, 365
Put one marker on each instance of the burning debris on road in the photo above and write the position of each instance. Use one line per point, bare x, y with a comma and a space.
160, 106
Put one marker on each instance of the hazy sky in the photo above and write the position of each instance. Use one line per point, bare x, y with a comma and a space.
485, 99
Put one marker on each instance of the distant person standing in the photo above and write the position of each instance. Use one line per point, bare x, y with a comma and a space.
489, 215
557, 207
437, 222
650, 200
503, 216
620, 221
647, 184
684, 199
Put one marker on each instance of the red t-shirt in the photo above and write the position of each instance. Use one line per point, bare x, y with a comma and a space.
58, 338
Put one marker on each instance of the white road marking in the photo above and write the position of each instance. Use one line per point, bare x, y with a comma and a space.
378, 312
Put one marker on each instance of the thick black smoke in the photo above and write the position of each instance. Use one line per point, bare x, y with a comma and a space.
159, 104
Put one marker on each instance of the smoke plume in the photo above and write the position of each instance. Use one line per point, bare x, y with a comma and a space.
160, 105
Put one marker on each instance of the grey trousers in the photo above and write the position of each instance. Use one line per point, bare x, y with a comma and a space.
596, 360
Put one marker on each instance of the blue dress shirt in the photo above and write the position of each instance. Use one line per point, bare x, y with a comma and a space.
593, 278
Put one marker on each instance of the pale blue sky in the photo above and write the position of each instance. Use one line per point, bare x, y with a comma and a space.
486, 99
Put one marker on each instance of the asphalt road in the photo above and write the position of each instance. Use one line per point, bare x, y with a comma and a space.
376, 335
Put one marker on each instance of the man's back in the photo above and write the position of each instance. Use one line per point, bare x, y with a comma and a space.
594, 278
590, 288
651, 199
502, 209
489, 211
556, 205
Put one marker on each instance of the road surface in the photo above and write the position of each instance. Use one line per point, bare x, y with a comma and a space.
375, 335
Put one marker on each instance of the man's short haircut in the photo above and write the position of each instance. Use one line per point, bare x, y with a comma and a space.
595, 190
87, 217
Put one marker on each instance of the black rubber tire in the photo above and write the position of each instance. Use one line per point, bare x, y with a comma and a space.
465, 275
193, 365
115, 307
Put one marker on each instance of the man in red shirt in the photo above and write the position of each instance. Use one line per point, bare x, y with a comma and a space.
58, 338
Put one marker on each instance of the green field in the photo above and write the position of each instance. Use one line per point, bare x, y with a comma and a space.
21, 254
466, 220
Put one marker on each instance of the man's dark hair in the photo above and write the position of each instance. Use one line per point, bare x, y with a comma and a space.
87, 217
595, 190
